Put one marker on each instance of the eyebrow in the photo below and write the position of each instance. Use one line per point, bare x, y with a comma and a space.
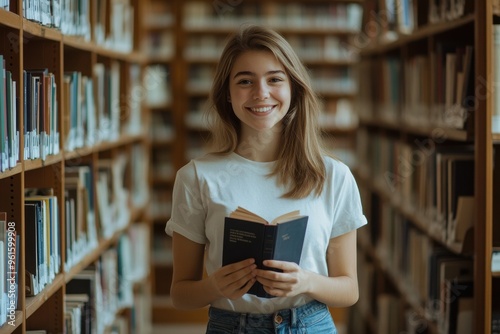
253, 74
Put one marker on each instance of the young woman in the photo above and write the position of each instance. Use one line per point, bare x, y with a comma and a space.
269, 160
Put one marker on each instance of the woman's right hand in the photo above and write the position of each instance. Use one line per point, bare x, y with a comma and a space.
234, 280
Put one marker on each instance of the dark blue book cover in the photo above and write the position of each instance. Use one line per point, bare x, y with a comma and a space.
245, 239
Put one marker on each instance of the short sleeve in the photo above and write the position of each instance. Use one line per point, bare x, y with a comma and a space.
347, 211
188, 212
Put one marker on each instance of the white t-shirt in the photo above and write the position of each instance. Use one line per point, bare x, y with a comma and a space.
209, 188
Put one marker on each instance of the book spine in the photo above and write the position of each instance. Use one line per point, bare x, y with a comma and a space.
269, 243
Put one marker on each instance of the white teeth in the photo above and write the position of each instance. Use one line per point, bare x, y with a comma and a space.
263, 109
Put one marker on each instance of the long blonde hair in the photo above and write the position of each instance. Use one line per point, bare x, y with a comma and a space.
300, 164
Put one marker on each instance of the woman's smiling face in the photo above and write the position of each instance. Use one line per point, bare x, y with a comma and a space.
260, 91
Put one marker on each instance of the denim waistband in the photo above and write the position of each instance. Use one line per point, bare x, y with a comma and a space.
270, 320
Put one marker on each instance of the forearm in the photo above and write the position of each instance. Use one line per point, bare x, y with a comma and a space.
341, 291
189, 294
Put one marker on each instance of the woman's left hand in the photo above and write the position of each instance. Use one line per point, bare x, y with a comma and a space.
290, 282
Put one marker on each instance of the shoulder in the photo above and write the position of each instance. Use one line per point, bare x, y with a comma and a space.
335, 167
207, 163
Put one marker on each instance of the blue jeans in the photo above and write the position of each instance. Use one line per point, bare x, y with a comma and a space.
313, 317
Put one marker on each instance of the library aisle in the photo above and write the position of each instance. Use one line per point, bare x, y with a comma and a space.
101, 102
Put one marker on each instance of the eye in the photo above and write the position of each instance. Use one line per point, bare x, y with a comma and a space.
276, 80
244, 82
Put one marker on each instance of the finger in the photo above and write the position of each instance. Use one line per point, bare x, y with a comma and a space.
234, 267
236, 291
282, 265
236, 281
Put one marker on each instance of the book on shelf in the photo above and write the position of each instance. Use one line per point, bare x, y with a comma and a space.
495, 122
77, 313
87, 283
455, 280
9, 122
247, 235
41, 132
453, 192
495, 260
495, 322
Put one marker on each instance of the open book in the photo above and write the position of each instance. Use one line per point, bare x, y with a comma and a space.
247, 235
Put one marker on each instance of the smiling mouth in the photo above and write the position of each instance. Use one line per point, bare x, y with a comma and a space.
262, 109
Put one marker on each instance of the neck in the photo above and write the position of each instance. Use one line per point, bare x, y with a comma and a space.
259, 146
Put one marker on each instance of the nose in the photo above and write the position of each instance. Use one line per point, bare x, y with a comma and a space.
261, 91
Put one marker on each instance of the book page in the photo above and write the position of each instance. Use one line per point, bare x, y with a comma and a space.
244, 214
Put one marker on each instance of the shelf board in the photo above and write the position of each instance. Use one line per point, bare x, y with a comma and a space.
372, 253
133, 56
162, 142
34, 303
413, 214
10, 19
419, 34
103, 146
420, 130
159, 106
496, 138
94, 254
39, 163
9, 326
159, 59
214, 28
78, 42
11, 172
38, 30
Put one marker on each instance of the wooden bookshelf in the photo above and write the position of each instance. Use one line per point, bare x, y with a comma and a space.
46, 160
189, 61
409, 145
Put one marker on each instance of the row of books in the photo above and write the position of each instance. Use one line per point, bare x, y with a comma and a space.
96, 294
42, 241
159, 44
163, 167
157, 83
310, 48
90, 118
45, 12
160, 206
342, 16
81, 230
447, 105
430, 278
446, 10
426, 180
114, 30
9, 268
71, 17
9, 122
401, 17
41, 126
162, 127
97, 110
